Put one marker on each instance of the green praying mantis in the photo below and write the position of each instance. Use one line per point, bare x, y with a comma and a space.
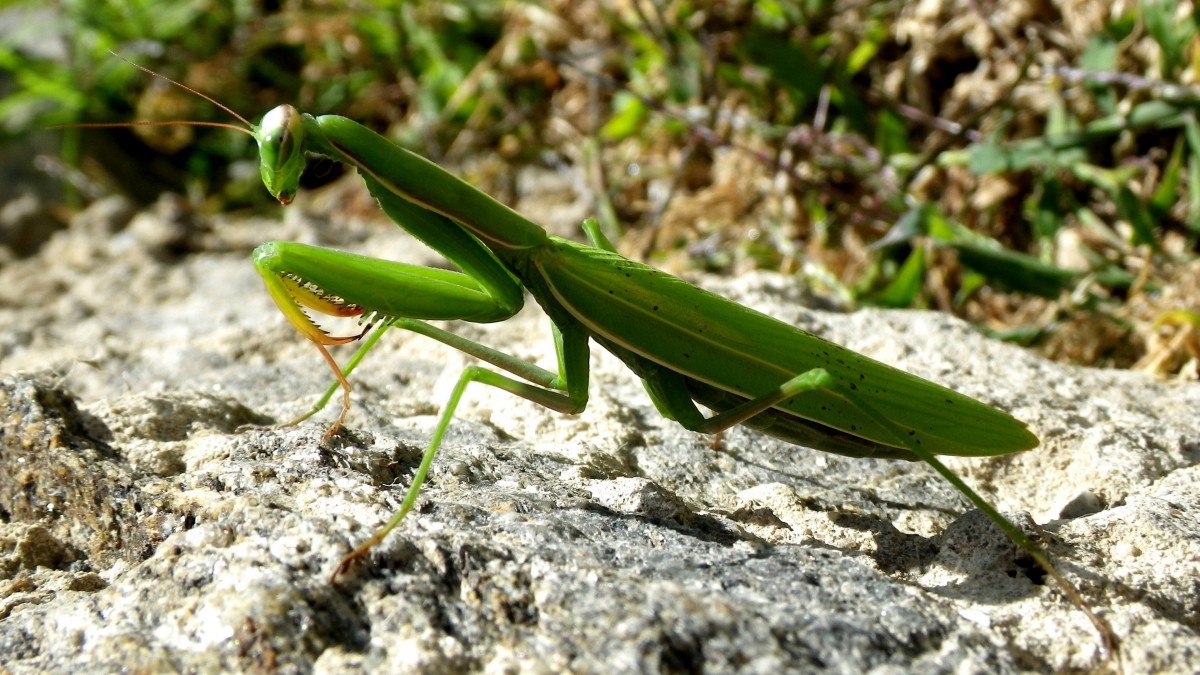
690, 347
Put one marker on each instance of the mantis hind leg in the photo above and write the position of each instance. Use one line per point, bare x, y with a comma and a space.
670, 393
1107, 637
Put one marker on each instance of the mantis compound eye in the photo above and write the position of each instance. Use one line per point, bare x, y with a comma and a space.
281, 151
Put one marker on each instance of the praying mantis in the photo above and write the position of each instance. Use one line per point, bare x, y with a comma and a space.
689, 347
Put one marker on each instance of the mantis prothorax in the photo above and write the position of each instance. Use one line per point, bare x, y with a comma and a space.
688, 346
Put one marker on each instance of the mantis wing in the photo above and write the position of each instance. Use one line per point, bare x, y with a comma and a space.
727, 347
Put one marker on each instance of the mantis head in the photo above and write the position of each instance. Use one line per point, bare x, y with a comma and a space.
281, 151
280, 138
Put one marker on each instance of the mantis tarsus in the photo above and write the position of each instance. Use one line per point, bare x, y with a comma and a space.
688, 346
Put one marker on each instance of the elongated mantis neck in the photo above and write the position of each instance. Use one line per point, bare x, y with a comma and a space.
425, 184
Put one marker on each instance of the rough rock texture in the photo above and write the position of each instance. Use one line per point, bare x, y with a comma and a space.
140, 530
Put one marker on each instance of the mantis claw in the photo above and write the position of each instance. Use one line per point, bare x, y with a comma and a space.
341, 418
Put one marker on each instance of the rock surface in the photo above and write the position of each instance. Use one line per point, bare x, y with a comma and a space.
142, 531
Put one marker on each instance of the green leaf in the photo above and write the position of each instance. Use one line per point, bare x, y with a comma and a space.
1016, 271
1167, 193
1100, 54
913, 223
1178, 317
1108, 179
1108, 274
971, 282
867, 49
1025, 335
1158, 114
1173, 36
1133, 210
985, 158
891, 134
906, 287
629, 113
1023, 154
1045, 207
1059, 120
794, 65
1193, 211
1067, 147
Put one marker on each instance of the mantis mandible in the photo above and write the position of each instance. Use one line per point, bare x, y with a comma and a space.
688, 346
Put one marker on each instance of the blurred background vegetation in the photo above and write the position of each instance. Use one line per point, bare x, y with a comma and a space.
1031, 166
